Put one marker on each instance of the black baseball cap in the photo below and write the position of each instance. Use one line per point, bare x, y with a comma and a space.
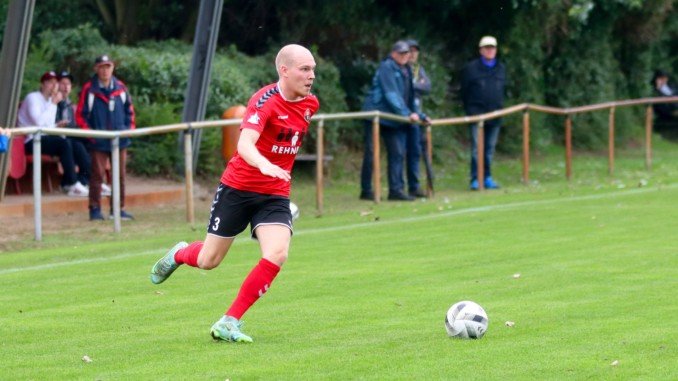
65, 74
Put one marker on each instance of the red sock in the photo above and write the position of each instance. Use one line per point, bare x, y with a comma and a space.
189, 254
255, 286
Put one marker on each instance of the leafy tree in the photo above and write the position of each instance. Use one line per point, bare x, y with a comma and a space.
559, 52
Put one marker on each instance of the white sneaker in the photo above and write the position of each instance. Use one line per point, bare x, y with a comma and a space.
77, 190
105, 190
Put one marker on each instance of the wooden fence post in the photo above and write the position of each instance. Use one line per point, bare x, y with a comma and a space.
188, 174
648, 138
568, 147
610, 142
376, 167
526, 147
480, 156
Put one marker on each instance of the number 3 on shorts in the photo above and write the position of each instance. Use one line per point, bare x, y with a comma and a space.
215, 227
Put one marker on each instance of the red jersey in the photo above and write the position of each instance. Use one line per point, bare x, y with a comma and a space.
282, 125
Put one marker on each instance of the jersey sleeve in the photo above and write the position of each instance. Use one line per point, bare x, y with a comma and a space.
255, 118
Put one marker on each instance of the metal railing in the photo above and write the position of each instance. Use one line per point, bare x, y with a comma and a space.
525, 108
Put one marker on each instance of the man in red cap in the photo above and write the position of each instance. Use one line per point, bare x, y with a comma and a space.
39, 109
105, 104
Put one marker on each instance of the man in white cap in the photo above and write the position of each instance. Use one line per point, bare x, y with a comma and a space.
482, 91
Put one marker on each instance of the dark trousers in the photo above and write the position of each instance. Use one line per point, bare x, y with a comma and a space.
491, 130
413, 153
71, 152
99, 161
394, 140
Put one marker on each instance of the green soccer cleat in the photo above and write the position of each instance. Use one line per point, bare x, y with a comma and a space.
228, 329
166, 265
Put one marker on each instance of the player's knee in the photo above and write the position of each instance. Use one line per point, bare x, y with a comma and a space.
206, 261
278, 256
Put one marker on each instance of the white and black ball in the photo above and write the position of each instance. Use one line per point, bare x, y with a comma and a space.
466, 320
294, 209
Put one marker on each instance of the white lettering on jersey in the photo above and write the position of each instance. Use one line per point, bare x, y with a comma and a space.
284, 150
283, 117
295, 138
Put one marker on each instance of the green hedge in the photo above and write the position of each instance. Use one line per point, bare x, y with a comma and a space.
157, 75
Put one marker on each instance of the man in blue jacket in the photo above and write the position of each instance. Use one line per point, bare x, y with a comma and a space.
391, 92
105, 104
482, 91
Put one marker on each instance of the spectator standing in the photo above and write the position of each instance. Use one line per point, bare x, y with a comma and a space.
482, 90
255, 188
105, 105
414, 143
65, 117
39, 109
666, 114
662, 87
391, 92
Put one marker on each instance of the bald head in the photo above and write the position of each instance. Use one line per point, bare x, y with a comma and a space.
296, 71
290, 55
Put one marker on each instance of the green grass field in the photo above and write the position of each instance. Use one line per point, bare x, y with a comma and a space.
366, 288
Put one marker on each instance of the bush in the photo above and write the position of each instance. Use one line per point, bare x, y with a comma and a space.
157, 76
155, 154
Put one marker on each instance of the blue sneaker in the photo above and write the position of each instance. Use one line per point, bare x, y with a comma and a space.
166, 265
474, 185
490, 183
95, 214
228, 329
123, 216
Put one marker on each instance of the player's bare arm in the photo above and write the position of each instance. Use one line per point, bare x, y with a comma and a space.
249, 152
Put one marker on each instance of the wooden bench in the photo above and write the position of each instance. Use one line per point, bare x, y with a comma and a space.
304, 159
21, 172
311, 157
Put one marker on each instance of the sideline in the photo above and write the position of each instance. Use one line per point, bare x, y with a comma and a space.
362, 225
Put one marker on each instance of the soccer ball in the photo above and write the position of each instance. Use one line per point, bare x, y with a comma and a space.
466, 320
294, 209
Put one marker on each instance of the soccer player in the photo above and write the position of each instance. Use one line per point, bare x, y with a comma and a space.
255, 188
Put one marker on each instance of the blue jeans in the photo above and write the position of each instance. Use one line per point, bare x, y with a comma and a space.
394, 140
491, 129
413, 152
71, 152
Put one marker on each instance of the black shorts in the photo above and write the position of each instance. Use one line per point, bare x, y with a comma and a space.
233, 209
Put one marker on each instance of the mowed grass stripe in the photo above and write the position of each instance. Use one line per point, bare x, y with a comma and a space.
444, 214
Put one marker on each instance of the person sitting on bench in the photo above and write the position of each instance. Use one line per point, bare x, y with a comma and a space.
39, 110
